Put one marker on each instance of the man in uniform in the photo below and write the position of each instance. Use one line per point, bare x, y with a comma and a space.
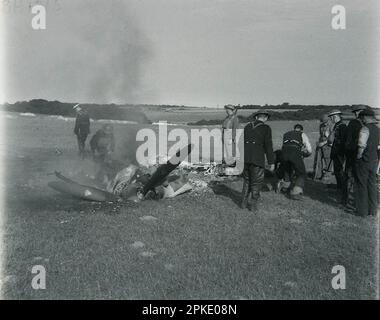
366, 166
351, 146
337, 140
82, 128
295, 147
257, 144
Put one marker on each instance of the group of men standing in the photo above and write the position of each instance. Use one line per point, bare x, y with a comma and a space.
354, 152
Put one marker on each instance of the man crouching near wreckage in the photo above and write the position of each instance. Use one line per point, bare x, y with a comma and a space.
295, 147
257, 144
102, 145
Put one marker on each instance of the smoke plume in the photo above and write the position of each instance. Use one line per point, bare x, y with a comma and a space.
91, 51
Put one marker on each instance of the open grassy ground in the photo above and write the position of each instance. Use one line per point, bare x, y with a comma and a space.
199, 245
189, 114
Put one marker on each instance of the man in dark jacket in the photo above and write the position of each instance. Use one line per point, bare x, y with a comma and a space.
366, 165
257, 144
337, 140
295, 147
82, 128
351, 145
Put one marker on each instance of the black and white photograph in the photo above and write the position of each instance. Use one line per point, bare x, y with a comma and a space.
189, 150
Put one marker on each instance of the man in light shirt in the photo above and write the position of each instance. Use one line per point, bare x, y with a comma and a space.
366, 166
230, 124
322, 151
295, 147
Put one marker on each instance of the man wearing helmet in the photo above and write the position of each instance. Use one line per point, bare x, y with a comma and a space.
258, 145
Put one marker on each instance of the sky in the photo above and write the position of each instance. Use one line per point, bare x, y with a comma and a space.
192, 52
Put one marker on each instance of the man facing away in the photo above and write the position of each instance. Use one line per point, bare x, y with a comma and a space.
257, 144
337, 141
366, 165
295, 147
82, 128
230, 124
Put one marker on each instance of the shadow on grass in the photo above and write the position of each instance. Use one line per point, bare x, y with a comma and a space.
319, 191
226, 191
315, 190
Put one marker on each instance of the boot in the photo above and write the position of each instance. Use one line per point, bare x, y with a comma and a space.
252, 204
245, 195
296, 193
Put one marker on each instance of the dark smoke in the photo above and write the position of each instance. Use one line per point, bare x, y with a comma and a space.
92, 51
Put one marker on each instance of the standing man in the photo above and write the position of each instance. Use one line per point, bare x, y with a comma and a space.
82, 128
230, 124
295, 147
337, 140
351, 146
257, 144
366, 188
322, 152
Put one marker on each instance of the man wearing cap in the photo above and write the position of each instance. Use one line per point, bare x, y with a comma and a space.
351, 146
257, 144
366, 165
337, 140
295, 147
82, 128
230, 124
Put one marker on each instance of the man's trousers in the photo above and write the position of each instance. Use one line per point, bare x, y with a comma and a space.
81, 142
340, 176
294, 166
253, 177
366, 188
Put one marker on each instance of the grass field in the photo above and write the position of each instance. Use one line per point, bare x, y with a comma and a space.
199, 245
189, 114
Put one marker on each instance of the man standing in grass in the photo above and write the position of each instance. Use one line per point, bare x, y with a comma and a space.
351, 145
257, 144
230, 124
337, 141
82, 128
322, 151
366, 165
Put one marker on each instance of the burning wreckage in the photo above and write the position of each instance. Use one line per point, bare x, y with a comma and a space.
134, 183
